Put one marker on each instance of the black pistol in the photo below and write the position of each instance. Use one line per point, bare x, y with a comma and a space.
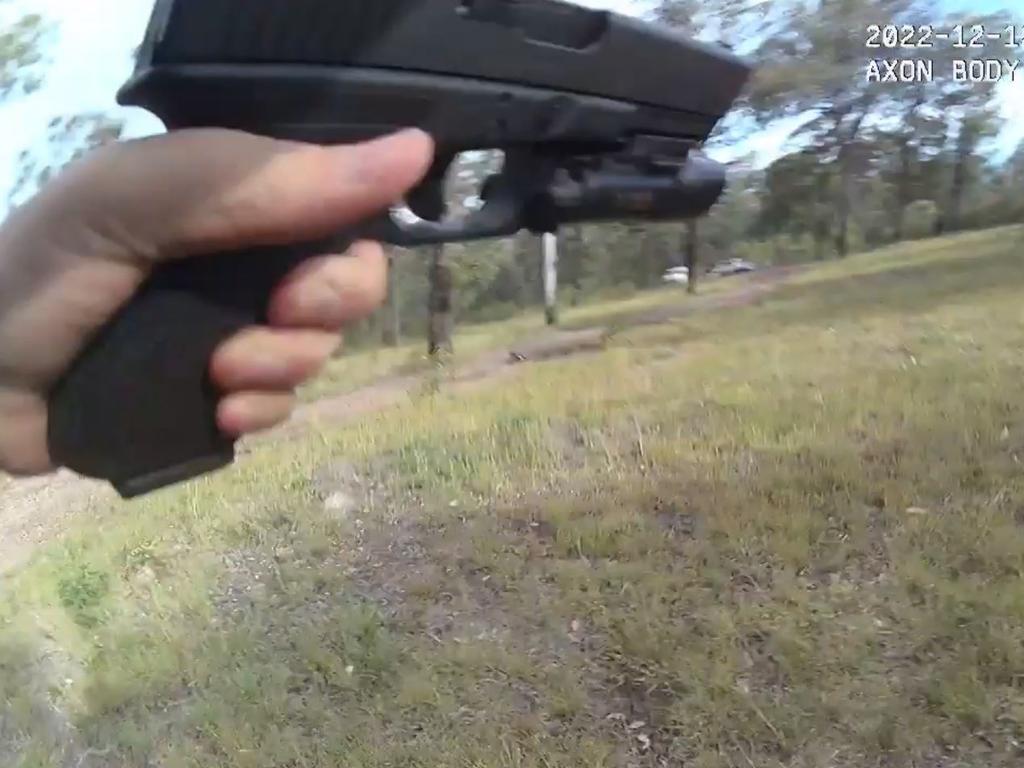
600, 117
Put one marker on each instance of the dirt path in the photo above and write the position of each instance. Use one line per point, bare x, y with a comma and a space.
33, 511
505, 362
37, 510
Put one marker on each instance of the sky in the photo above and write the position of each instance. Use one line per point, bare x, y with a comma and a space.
89, 57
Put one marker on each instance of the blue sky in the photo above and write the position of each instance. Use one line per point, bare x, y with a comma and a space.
89, 57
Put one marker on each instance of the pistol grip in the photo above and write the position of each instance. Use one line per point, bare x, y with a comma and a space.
137, 408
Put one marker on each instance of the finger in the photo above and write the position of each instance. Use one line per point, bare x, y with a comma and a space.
23, 449
223, 189
266, 360
246, 412
332, 291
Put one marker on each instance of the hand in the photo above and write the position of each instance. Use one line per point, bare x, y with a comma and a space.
81, 248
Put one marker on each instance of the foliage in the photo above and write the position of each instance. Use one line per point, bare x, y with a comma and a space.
81, 590
921, 218
20, 54
68, 139
861, 143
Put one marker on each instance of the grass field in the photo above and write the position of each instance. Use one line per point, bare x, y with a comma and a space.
789, 534
364, 367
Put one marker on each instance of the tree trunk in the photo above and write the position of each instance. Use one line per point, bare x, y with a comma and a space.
549, 248
845, 202
959, 182
821, 218
907, 152
693, 254
527, 279
392, 332
571, 261
439, 337
843, 205
902, 188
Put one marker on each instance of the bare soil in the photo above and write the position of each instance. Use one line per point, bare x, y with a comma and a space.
35, 510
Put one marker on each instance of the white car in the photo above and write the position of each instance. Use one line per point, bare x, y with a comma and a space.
677, 275
733, 267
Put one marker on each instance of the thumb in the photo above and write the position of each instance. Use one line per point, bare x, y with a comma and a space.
199, 191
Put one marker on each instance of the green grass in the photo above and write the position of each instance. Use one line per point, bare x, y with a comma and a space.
788, 534
362, 367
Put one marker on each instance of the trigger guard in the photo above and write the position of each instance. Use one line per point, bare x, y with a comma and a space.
506, 197
426, 199
404, 226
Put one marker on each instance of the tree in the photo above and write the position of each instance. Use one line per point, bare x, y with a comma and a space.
922, 138
458, 195
1015, 168
715, 20
813, 68
711, 20
572, 260
19, 52
795, 199
441, 320
909, 135
549, 255
68, 139
391, 334
693, 254
869, 140
946, 121
971, 128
